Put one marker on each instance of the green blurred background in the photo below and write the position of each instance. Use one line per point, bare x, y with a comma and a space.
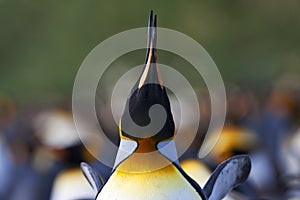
42, 43
254, 43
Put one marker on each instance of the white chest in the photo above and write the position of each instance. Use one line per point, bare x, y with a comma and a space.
163, 184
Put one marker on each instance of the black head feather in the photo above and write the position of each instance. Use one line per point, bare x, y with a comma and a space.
148, 91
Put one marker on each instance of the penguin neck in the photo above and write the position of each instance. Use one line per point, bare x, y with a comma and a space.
144, 162
145, 158
146, 145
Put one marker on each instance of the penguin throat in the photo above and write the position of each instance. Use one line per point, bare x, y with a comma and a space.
144, 162
146, 145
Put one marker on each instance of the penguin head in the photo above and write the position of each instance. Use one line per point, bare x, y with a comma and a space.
147, 116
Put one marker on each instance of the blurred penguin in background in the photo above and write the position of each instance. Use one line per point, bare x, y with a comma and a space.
46, 152
7, 166
21, 145
234, 139
64, 152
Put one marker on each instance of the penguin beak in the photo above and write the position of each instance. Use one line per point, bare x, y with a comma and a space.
151, 72
148, 91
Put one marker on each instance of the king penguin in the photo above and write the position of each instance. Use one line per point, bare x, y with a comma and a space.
146, 166
141, 170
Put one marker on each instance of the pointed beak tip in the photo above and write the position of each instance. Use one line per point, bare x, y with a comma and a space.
151, 71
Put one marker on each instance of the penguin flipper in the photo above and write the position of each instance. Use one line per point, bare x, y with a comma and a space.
227, 175
91, 175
